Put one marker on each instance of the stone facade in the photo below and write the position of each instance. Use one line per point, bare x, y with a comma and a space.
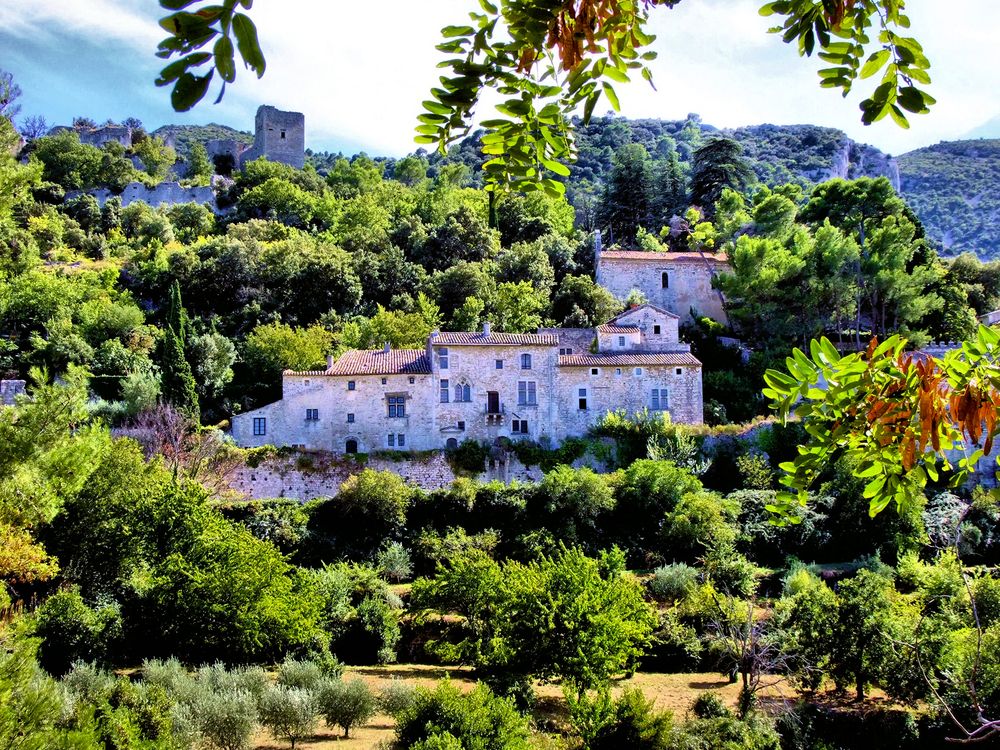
10, 390
278, 136
100, 135
678, 282
483, 386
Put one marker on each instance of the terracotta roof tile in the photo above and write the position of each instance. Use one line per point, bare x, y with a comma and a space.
667, 359
377, 362
478, 338
609, 328
681, 257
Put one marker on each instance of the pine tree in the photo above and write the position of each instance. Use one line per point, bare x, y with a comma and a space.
671, 190
178, 382
177, 317
628, 194
718, 164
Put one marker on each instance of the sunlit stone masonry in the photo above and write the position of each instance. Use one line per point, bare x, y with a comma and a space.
545, 386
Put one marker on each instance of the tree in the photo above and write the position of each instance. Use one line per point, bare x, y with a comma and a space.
10, 92
290, 713
519, 50
581, 303
346, 703
179, 388
718, 164
34, 127
200, 168
627, 203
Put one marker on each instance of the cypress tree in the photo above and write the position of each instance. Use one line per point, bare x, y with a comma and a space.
177, 318
718, 164
178, 381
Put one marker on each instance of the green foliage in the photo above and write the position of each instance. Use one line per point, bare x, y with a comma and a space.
716, 166
394, 562
448, 718
469, 457
672, 582
347, 703
290, 713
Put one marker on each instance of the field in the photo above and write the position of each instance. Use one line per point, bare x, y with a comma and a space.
672, 692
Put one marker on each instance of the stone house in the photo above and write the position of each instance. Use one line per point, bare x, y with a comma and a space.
678, 282
483, 385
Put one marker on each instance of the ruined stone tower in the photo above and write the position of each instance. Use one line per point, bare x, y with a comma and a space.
279, 136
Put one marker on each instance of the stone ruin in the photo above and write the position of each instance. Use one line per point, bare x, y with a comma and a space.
278, 136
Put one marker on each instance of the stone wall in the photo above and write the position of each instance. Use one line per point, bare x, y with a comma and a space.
294, 477
688, 280
164, 194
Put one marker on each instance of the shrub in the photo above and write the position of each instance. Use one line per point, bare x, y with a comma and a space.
396, 697
755, 471
72, 631
290, 713
346, 704
710, 706
478, 719
300, 674
469, 457
634, 725
394, 562
225, 720
673, 582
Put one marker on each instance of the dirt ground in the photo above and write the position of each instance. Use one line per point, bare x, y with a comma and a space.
669, 692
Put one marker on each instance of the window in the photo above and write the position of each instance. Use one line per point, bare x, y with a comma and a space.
660, 400
282, 135
637, 371
621, 341
443, 359
499, 364
397, 406
664, 280
412, 381
526, 393
461, 426
519, 426
391, 440
582, 403
678, 371
618, 371
260, 425
312, 415
351, 446
384, 381
350, 385
565, 351
400, 440
350, 418
492, 402
451, 444
307, 381
444, 391
525, 361
656, 330
595, 371
463, 392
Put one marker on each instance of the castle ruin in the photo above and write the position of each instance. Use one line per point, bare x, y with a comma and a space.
278, 136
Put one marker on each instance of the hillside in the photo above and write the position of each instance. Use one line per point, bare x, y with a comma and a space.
184, 136
954, 187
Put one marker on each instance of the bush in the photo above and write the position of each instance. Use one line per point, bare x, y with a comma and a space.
72, 631
672, 582
397, 697
346, 704
710, 706
306, 675
290, 713
394, 562
225, 720
469, 457
634, 725
478, 719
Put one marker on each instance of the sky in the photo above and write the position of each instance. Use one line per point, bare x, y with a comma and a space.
359, 71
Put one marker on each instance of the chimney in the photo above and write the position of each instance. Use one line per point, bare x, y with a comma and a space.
329, 361
486, 328
386, 346
430, 341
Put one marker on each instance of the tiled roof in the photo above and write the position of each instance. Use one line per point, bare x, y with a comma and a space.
377, 362
609, 328
667, 359
631, 310
682, 257
478, 338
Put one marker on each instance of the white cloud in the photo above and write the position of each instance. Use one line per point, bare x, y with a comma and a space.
359, 70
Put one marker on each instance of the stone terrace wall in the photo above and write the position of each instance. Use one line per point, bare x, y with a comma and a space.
166, 193
283, 476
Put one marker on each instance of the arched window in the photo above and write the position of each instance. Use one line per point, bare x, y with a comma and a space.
664, 280
352, 446
451, 443
463, 392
